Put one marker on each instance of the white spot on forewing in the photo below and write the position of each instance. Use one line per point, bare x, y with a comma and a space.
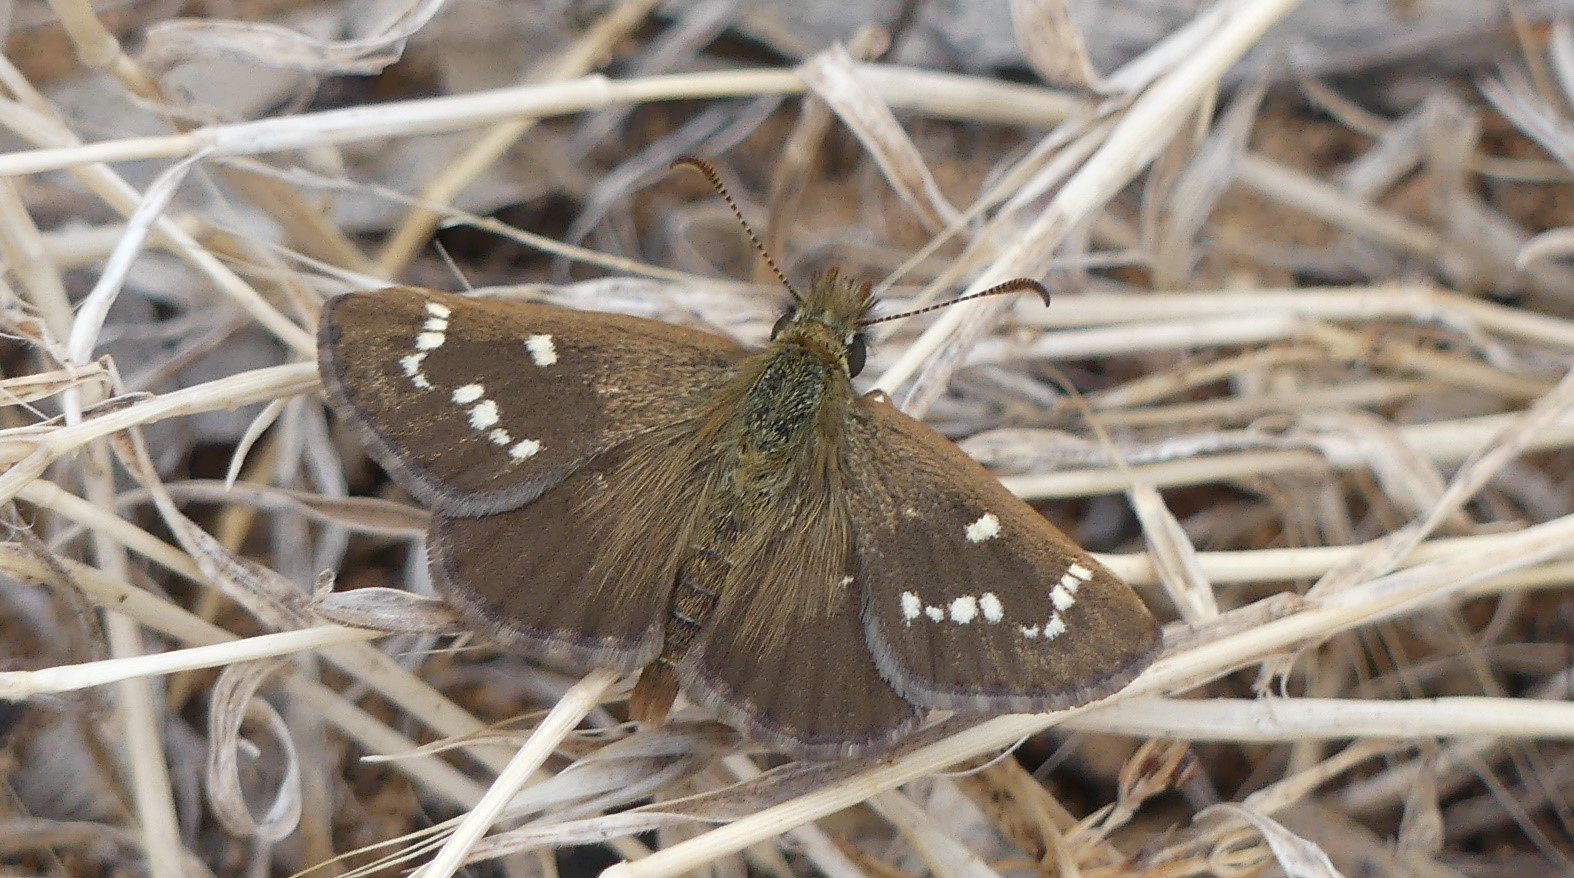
1028, 631
524, 449
912, 607
844, 582
964, 609
987, 527
500, 437
419, 380
1054, 627
1061, 598
1080, 572
438, 310
542, 350
429, 341
934, 613
1070, 583
994, 611
484, 415
435, 324
468, 394
412, 364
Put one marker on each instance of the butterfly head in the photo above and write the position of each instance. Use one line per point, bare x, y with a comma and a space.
830, 320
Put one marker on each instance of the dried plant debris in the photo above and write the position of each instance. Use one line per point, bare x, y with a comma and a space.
1305, 383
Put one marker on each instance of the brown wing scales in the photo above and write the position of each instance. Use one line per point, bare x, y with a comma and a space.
583, 572
809, 685
571, 459
478, 405
972, 600
781, 653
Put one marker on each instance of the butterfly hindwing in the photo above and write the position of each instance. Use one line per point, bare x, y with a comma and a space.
812, 688
524, 575
782, 655
973, 601
478, 405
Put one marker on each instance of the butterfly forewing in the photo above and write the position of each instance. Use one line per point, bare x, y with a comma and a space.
478, 405
972, 600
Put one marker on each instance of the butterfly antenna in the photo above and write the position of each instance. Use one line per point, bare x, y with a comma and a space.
710, 174
1017, 285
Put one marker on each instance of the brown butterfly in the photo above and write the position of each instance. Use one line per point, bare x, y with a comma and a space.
812, 563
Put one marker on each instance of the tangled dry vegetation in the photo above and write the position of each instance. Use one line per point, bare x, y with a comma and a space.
1312, 294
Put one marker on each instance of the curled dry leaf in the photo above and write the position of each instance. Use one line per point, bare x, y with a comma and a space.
175, 42
1553, 244
391, 610
1298, 857
233, 702
834, 79
1052, 44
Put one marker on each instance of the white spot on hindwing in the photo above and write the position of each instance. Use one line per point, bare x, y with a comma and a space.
484, 415
959, 611
987, 527
542, 351
993, 610
411, 364
964, 609
1063, 596
967, 609
482, 412
522, 450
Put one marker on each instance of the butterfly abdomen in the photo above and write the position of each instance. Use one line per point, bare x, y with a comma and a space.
703, 573
768, 444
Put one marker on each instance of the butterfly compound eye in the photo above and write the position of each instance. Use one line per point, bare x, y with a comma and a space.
856, 353
781, 324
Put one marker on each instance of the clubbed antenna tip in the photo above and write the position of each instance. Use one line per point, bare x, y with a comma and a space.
1015, 285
